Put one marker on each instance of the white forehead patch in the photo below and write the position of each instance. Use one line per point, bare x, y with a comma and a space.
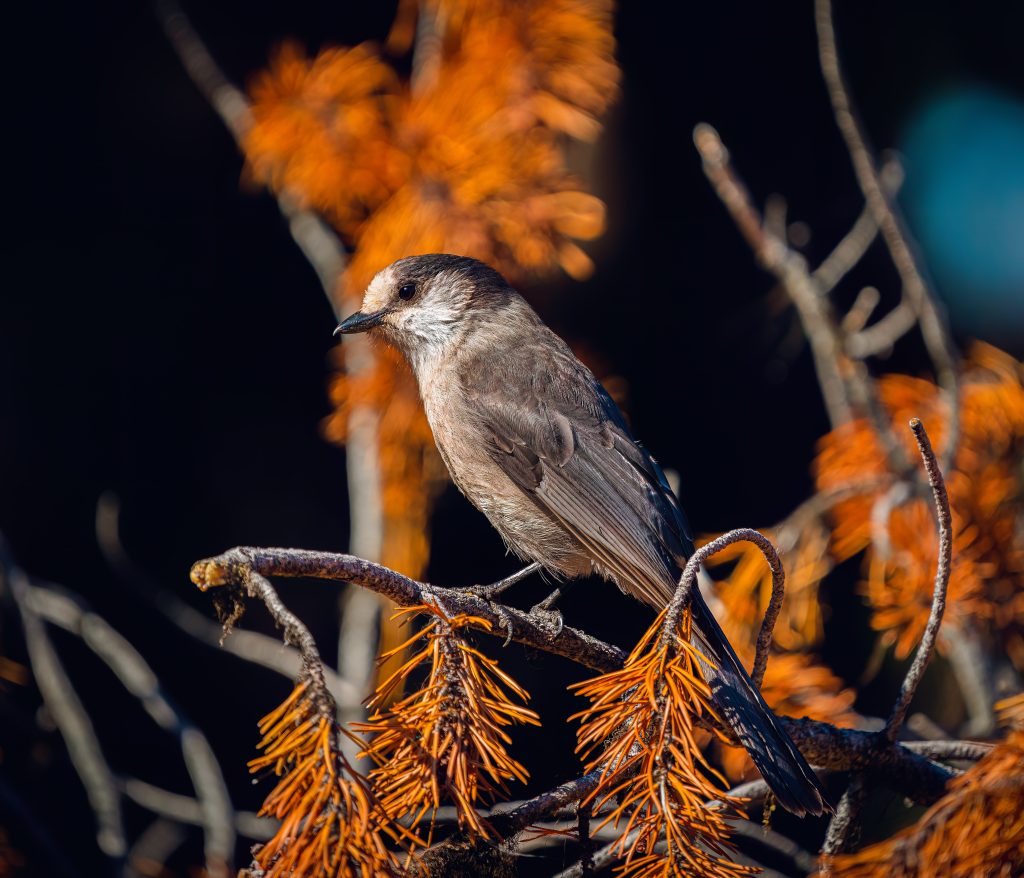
378, 292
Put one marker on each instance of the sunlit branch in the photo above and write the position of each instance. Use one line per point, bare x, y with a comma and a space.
926, 647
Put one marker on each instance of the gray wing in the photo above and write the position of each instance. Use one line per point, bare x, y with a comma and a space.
553, 429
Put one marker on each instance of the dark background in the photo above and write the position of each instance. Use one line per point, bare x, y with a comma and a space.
162, 338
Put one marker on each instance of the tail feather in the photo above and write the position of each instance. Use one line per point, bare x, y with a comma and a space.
782, 766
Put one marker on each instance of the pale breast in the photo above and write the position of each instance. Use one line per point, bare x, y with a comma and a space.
526, 529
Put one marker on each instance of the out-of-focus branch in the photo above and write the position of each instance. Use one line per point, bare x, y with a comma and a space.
153, 848
845, 384
681, 599
915, 289
137, 677
71, 719
855, 243
926, 647
186, 810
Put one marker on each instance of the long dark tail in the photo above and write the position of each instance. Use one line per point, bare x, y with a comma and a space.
783, 767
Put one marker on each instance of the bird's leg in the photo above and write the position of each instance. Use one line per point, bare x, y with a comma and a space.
490, 592
546, 608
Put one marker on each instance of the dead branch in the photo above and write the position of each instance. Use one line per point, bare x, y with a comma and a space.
843, 821
845, 384
894, 233
926, 647
189, 811
681, 599
824, 745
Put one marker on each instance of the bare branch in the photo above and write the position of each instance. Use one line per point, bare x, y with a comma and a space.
915, 289
926, 647
681, 599
71, 718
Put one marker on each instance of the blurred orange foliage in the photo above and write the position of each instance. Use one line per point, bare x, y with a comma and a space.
642, 731
985, 487
975, 831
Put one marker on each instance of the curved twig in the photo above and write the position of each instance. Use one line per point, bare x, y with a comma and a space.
681, 599
926, 647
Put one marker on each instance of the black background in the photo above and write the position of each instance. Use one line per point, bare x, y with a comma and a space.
162, 338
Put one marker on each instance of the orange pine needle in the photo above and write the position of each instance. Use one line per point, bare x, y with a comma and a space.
448, 739
652, 710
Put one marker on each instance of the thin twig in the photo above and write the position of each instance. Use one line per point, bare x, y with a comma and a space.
926, 647
680, 600
915, 289
844, 383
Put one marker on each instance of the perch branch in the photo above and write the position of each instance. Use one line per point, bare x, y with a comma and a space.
822, 744
926, 647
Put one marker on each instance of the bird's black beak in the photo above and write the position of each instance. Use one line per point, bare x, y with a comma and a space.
359, 322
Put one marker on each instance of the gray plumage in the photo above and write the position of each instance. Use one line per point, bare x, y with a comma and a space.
535, 443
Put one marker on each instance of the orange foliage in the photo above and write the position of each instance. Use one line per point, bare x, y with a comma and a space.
985, 486
446, 740
975, 831
331, 824
653, 769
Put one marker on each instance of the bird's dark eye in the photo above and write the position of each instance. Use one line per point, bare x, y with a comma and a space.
407, 291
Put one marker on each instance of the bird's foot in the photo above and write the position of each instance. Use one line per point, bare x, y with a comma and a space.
490, 592
546, 615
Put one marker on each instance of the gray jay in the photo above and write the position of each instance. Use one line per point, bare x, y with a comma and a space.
534, 441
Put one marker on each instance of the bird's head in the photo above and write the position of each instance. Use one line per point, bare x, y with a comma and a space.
424, 304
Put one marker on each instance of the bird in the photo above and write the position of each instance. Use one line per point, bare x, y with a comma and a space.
534, 441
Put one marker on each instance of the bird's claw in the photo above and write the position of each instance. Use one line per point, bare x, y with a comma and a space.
504, 621
548, 619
